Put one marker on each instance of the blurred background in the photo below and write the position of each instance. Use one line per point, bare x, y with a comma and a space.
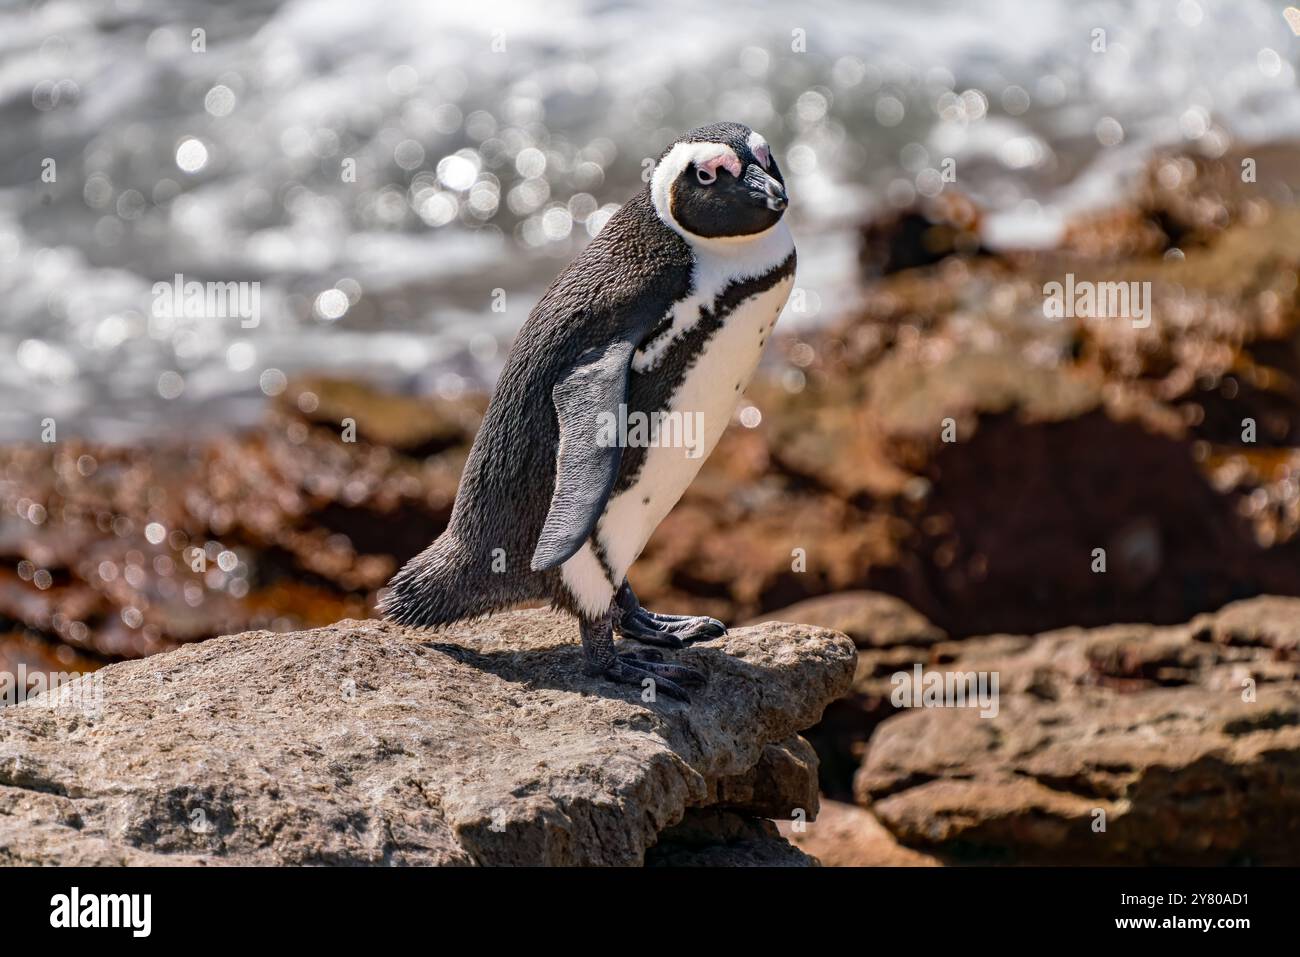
490, 141
399, 180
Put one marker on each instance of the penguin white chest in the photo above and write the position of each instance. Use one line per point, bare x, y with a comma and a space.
698, 413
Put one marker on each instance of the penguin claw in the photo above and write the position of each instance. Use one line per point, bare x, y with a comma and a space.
626, 673
680, 619
701, 628
640, 628
654, 663
627, 669
669, 631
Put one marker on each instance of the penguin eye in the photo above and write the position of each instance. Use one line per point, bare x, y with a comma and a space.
704, 175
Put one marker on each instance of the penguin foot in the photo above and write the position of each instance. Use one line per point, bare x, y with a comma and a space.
667, 631
641, 627
667, 678
635, 668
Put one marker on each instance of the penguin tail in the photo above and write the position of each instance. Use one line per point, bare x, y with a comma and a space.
436, 588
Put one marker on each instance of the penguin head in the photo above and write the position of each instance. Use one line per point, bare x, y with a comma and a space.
719, 182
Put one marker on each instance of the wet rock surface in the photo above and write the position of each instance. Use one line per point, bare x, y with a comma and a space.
366, 743
118, 553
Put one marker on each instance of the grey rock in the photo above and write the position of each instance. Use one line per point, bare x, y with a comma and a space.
367, 743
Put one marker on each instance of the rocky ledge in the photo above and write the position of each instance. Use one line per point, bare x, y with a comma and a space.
367, 743
1129, 744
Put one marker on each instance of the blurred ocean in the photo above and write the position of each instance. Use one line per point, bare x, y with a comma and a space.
402, 177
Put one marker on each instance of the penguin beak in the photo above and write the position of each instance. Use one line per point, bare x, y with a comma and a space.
765, 189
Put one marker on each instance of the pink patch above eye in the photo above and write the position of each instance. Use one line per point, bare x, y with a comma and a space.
763, 155
727, 161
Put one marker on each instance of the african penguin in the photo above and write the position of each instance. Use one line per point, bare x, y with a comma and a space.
661, 319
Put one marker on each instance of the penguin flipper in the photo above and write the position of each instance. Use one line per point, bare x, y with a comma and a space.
586, 467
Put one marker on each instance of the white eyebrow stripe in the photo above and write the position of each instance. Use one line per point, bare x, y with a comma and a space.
758, 146
670, 167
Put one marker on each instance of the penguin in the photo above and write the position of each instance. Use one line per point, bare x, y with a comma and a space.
661, 318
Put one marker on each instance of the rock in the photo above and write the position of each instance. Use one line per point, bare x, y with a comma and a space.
846, 835
297, 527
367, 743
840, 737
1182, 777
782, 785
1186, 739
1253, 638
709, 837
921, 235
910, 404
1269, 624
415, 425
870, 619
1184, 201
887, 631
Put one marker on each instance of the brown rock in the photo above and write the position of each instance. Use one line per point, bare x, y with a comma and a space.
1186, 738
414, 425
783, 784
846, 835
923, 234
870, 619
297, 527
1180, 775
